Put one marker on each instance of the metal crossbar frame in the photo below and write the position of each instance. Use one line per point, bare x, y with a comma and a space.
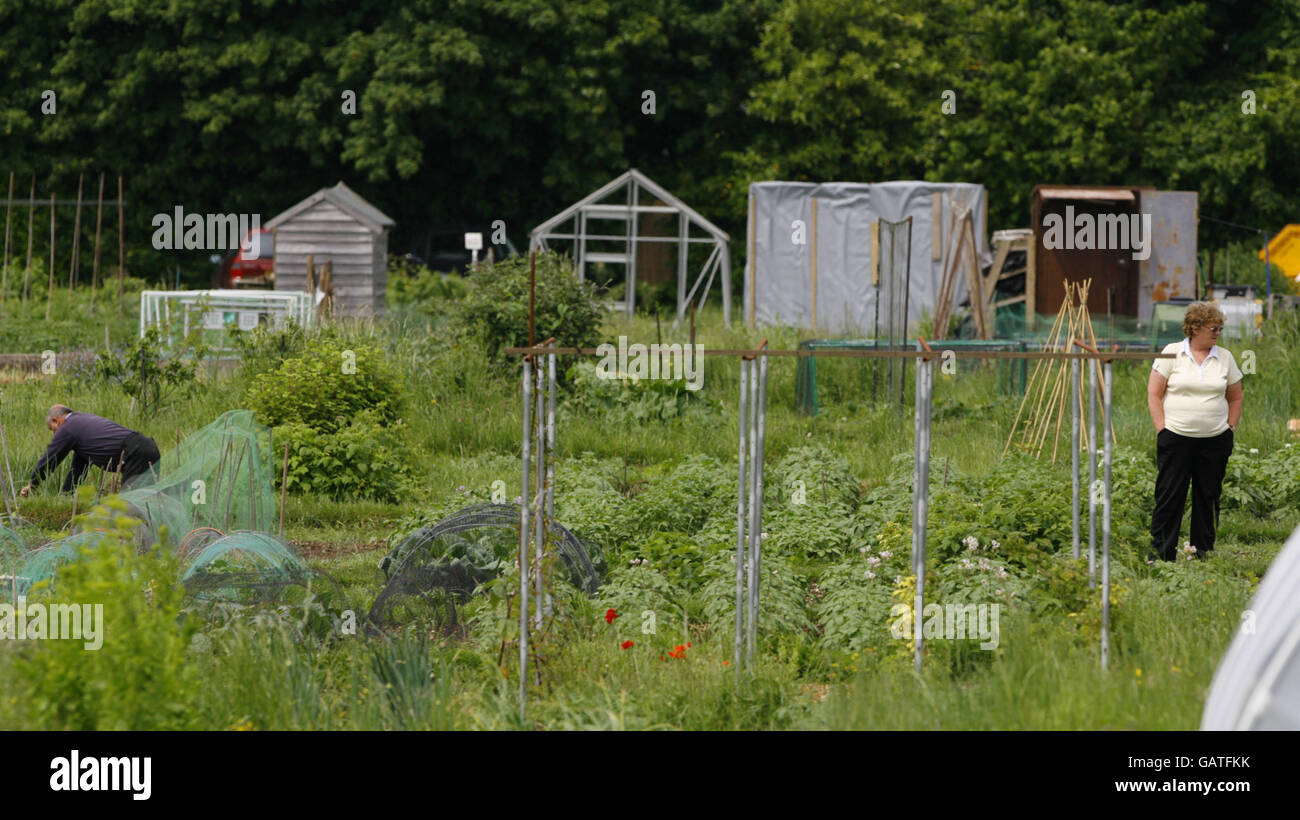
634, 186
752, 423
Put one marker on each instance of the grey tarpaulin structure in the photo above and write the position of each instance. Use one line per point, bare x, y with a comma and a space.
1257, 685
834, 261
600, 230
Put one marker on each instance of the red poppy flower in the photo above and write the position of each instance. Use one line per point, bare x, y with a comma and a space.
628, 644
610, 615
688, 646
726, 663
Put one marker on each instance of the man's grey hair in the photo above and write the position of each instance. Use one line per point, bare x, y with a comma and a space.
58, 411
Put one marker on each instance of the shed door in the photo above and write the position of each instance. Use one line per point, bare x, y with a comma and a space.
1114, 271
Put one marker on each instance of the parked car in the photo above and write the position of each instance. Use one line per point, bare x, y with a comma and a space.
252, 264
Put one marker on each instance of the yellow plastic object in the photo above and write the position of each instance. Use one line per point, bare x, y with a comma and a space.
1284, 251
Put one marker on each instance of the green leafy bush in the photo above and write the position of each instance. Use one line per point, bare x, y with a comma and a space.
1262, 484
363, 459
143, 373
854, 611
781, 609
417, 288
629, 401
326, 385
495, 311
262, 349
140, 678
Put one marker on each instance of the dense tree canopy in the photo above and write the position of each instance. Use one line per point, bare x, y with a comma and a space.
474, 110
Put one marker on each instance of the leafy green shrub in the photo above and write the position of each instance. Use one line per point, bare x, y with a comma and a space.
325, 386
635, 588
262, 349
1262, 484
143, 373
815, 530
854, 611
495, 311
824, 474
629, 401
589, 501
140, 678
365, 458
417, 288
809, 499
686, 495
781, 608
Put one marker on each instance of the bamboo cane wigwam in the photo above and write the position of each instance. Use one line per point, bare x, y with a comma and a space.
1046, 403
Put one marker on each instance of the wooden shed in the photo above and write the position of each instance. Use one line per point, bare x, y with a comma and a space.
335, 225
1128, 277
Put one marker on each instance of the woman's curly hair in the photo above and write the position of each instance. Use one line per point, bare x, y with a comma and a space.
1199, 316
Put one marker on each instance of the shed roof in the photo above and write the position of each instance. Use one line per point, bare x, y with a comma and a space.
1101, 193
346, 200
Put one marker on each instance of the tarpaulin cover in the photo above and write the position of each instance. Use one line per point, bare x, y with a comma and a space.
778, 273
1257, 685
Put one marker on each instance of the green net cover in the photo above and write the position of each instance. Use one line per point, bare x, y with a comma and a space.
43, 563
219, 477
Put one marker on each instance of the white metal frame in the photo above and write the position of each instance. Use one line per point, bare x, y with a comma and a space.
157, 306
633, 184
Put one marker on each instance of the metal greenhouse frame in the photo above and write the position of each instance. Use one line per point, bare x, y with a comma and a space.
633, 193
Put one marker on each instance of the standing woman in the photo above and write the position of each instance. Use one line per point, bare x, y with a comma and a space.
1195, 404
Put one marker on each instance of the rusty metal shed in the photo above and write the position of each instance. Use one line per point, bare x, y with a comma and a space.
1122, 282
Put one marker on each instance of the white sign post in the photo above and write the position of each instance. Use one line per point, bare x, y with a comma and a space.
474, 244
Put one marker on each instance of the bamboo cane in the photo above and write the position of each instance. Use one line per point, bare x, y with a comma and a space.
4, 278
99, 225
31, 225
121, 242
1029, 390
76, 237
49, 301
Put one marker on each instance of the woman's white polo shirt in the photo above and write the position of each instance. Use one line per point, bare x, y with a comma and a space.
1195, 404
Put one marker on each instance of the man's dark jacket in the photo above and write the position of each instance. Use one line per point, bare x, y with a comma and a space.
92, 440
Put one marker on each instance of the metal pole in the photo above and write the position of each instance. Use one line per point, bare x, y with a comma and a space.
1092, 473
758, 505
753, 534
920, 498
550, 435
523, 541
1105, 527
1074, 453
539, 525
742, 422
1268, 277
907, 297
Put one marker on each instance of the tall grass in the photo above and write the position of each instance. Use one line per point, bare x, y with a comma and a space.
463, 424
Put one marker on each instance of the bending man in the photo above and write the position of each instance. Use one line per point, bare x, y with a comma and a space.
92, 440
